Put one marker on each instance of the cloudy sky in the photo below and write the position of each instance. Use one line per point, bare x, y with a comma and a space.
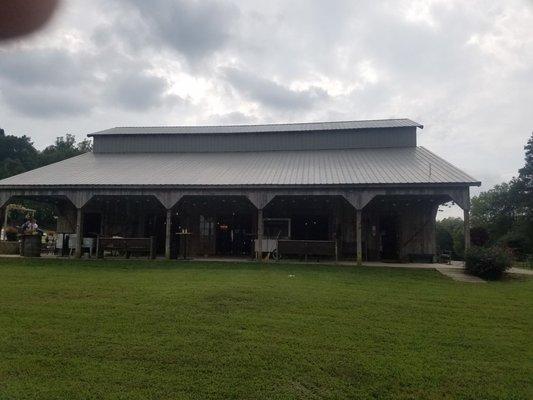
464, 69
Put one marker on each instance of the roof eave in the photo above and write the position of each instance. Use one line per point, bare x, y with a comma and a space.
245, 186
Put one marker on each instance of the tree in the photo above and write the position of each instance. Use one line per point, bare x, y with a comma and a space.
17, 155
524, 183
525, 174
63, 148
506, 211
523, 233
479, 236
495, 210
450, 236
85, 146
444, 239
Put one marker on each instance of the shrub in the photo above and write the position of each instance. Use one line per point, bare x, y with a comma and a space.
517, 241
488, 263
479, 236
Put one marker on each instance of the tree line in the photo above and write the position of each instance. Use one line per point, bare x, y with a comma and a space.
18, 154
501, 216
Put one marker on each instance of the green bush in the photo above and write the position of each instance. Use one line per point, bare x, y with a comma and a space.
518, 241
488, 263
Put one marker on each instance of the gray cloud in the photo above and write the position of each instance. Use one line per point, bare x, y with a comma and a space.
193, 28
48, 82
272, 94
47, 102
138, 90
50, 67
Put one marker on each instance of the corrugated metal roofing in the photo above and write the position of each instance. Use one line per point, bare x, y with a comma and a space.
319, 167
297, 127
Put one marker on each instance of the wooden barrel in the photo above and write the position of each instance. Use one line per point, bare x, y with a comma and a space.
30, 245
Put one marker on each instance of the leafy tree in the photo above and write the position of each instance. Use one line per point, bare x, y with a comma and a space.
525, 174
444, 239
506, 211
85, 146
17, 155
63, 148
524, 184
496, 209
450, 236
479, 236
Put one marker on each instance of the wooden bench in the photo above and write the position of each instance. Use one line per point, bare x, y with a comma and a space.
308, 248
125, 246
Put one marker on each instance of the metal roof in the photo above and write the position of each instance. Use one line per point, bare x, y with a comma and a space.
407, 165
296, 127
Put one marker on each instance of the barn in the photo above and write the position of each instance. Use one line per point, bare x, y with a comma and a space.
359, 190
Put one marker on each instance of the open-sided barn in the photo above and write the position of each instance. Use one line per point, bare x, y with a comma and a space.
362, 188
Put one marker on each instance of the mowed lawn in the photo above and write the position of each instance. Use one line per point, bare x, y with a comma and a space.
171, 330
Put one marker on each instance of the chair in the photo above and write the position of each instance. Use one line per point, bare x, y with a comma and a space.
445, 257
87, 244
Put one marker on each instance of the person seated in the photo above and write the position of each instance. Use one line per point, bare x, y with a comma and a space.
30, 226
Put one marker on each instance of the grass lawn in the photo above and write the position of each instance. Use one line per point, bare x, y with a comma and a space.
169, 330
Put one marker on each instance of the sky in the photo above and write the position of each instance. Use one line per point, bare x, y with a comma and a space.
464, 69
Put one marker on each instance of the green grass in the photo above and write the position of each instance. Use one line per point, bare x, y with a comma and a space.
169, 330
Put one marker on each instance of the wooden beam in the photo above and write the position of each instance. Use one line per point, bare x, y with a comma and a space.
358, 231
79, 232
168, 233
260, 234
466, 212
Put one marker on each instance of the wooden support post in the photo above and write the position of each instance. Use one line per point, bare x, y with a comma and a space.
79, 232
168, 233
3, 218
152, 248
98, 253
260, 234
466, 212
103, 222
359, 237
